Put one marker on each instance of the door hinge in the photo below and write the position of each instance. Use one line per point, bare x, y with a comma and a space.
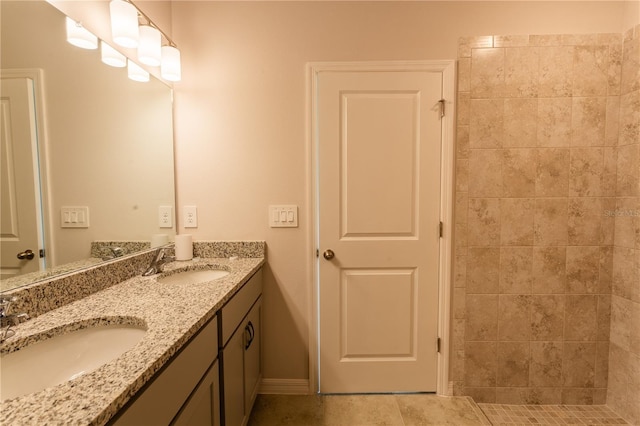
41, 253
441, 229
438, 344
317, 252
442, 104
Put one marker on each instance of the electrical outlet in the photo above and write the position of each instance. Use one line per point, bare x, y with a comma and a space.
165, 217
190, 216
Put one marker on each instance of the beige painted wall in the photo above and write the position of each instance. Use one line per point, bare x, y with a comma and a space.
241, 125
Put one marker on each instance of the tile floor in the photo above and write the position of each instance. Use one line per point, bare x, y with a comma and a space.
502, 414
415, 410
365, 410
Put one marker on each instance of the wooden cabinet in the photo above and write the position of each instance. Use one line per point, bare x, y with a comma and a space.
214, 379
171, 392
240, 352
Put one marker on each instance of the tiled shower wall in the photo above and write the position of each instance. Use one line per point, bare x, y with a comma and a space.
624, 356
536, 184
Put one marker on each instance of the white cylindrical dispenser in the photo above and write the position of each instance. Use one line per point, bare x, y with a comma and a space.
184, 247
159, 240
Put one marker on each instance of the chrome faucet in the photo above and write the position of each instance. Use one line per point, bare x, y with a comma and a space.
115, 252
8, 320
158, 261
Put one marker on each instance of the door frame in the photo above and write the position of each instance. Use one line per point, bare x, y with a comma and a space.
447, 158
40, 156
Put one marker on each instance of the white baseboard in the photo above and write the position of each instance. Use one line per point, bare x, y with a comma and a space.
284, 387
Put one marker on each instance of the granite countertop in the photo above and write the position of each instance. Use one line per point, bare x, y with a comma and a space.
172, 313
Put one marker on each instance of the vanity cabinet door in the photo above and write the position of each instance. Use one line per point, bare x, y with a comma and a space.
233, 362
203, 407
252, 367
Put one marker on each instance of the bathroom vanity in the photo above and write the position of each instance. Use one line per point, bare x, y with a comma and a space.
198, 362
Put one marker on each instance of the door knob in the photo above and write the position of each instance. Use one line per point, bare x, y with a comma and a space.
328, 254
27, 254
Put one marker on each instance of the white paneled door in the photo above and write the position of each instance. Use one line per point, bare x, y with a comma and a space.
379, 155
19, 190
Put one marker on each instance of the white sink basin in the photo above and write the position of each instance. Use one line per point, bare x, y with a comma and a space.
64, 357
194, 277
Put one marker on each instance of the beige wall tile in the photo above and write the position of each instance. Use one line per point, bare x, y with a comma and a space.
459, 299
484, 222
521, 72
604, 317
585, 221
552, 172
515, 270
546, 364
513, 395
590, 70
487, 72
581, 316
585, 172
625, 272
578, 364
483, 270
486, 123
460, 237
606, 270
514, 317
555, 71
480, 364
513, 364
462, 142
579, 39
520, 122
615, 69
466, 44
549, 270
629, 118
457, 366
630, 72
588, 120
602, 365
554, 122
627, 222
519, 172
577, 396
460, 270
481, 317
609, 173
550, 223
611, 129
583, 269
482, 394
545, 40
462, 175
516, 221
462, 207
485, 173
545, 395
510, 40
621, 315
628, 172
634, 333
463, 108
547, 317
464, 74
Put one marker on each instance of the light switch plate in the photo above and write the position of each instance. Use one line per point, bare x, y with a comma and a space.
165, 217
283, 216
74, 217
190, 216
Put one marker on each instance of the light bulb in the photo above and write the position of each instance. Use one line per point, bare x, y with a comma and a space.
111, 56
124, 23
79, 36
170, 68
149, 48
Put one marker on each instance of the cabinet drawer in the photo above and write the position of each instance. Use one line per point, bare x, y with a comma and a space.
235, 310
161, 400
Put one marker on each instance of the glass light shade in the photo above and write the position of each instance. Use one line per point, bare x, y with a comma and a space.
79, 36
150, 46
124, 23
136, 73
111, 56
170, 68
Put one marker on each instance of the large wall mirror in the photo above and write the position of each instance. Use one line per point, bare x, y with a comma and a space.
99, 142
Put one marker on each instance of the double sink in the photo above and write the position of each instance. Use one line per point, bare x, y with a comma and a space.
66, 356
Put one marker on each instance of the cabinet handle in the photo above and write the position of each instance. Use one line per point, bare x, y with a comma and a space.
250, 331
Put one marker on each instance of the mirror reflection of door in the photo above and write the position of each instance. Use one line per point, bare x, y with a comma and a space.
21, 212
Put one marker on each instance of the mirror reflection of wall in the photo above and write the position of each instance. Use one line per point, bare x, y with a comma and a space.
109, 140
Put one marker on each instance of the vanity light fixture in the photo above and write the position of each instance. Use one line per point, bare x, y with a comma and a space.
79, 36
149, 49
111, 56
170, 68
124, 23
136, 72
